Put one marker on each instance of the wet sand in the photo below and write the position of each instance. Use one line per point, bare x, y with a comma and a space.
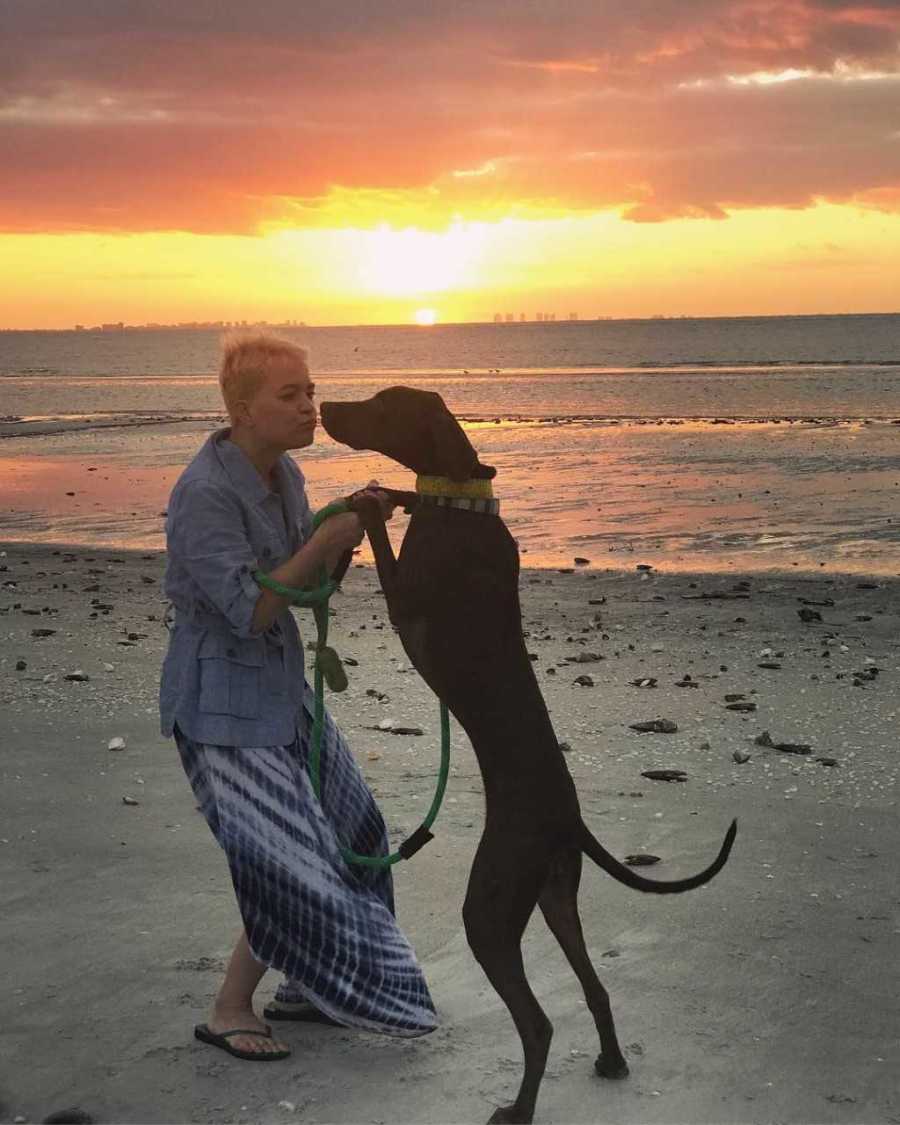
685, 495
769, 995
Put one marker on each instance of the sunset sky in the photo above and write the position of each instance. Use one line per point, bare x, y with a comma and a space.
355, 161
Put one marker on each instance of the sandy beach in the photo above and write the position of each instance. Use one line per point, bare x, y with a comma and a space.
768, 996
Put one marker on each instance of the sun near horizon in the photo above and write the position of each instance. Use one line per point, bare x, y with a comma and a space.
829, 258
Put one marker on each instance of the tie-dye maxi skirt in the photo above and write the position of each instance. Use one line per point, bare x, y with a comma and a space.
328, 926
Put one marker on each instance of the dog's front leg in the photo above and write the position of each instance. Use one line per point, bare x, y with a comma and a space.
372, 520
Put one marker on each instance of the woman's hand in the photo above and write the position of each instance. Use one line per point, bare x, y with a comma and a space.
331, 541
340, 533
385, 503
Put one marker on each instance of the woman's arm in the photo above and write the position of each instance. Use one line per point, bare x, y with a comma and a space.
336, 535
206, 534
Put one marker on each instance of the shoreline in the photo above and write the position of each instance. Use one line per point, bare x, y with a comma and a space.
57, 425
685, 498
761, 997
363, 560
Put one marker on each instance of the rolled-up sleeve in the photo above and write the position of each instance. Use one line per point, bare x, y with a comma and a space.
206, 536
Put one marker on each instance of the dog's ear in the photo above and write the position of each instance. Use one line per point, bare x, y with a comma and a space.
454, 456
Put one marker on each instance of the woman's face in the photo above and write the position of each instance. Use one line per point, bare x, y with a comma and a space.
282, 413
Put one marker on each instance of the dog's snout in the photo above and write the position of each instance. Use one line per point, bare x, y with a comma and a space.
327, 413
339, 422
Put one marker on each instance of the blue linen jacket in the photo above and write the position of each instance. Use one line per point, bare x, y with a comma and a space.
222, 683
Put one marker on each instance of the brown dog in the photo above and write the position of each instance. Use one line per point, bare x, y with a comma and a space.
453, 596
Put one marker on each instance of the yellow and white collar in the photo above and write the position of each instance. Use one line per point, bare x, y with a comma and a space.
443, 486
473, 495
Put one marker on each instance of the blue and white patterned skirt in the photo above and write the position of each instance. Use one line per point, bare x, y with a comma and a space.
328, 926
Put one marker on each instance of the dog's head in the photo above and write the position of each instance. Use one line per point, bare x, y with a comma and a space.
410, 426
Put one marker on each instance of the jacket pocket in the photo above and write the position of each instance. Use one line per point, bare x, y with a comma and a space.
231, 671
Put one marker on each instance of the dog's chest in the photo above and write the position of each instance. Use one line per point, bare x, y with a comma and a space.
457, 553
459, 571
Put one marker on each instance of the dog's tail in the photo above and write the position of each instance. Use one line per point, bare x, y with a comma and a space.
595, 851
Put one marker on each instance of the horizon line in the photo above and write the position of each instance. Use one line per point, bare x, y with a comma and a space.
205, 326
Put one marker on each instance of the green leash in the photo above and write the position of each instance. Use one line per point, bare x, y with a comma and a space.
328, 669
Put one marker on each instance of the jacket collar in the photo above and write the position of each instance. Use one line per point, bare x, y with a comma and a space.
243, 473
245, 477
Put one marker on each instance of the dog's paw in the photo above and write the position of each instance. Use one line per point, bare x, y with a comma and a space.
366, 507
611, 1068
360, 499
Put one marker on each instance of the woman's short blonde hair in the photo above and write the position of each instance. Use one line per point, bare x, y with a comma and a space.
246, 358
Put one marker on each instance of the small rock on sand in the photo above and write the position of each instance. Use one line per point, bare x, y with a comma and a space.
655, 726
765, 739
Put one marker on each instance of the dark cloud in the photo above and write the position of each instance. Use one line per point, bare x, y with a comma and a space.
211, 115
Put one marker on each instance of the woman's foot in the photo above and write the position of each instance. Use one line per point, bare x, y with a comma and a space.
233, 1009
300, 1012
261, 1043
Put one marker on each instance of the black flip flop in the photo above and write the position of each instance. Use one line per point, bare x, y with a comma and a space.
307, 1014
216, 1039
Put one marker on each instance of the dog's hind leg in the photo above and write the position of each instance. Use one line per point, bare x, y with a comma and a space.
500, 900
559, 905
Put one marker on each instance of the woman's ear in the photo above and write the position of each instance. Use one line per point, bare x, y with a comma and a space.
241, 413
454, 456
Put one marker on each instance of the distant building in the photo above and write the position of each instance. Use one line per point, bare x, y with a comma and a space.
498, 318
509, 318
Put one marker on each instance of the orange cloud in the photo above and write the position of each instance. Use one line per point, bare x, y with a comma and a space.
219, 118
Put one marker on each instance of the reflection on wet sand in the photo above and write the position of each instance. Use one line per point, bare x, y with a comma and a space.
691, 495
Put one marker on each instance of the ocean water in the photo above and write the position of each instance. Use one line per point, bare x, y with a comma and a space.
732, 444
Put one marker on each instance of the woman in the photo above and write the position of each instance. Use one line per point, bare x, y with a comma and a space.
233, 694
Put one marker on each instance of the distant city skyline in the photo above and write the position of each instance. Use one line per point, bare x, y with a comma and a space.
222, 325
121, 326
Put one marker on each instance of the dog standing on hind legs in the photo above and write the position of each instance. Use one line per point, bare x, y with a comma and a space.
453, 595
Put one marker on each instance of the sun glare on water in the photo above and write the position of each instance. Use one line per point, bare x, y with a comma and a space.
426, 317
